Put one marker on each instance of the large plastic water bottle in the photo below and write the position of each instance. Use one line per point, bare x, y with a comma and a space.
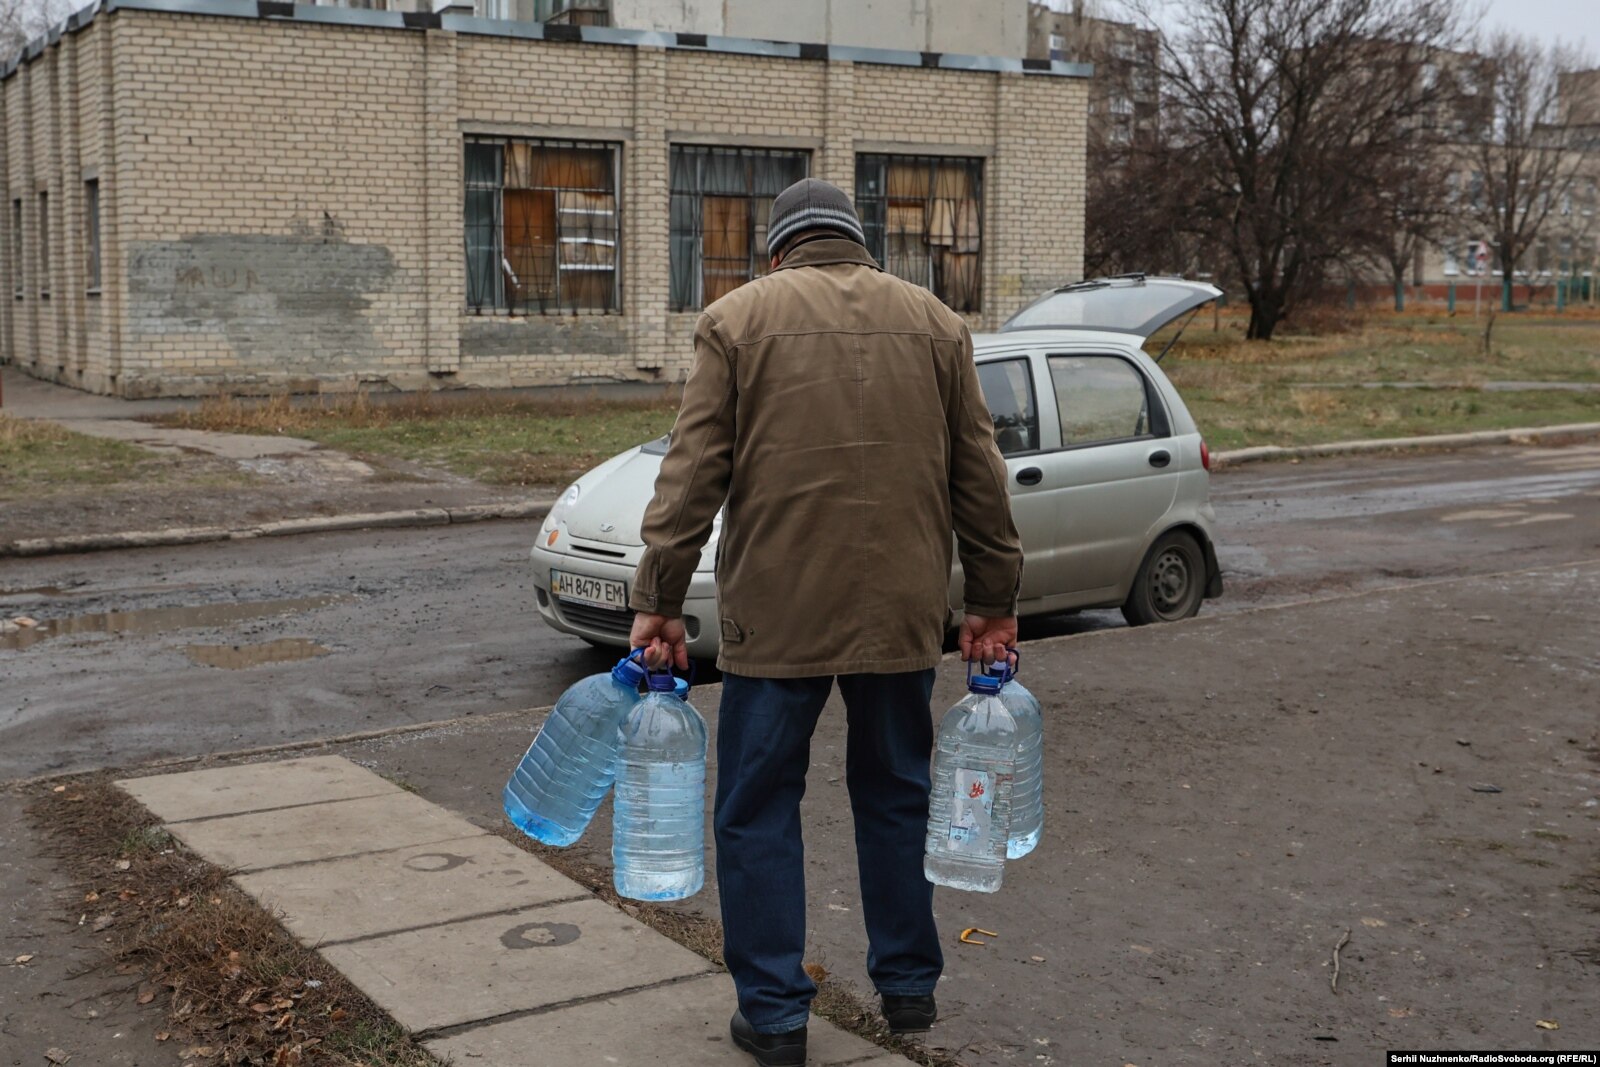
974, 771
1027, 792
658, 842
555, 790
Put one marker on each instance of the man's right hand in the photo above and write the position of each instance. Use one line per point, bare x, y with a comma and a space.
987, 639
664, 640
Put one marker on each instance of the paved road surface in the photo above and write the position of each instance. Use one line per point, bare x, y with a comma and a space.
369, 630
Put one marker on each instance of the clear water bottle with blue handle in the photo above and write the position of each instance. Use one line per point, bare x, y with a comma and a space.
658, 842
555, 790
1027, 792
974, 773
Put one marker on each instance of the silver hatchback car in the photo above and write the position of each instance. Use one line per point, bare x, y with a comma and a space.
1108, 476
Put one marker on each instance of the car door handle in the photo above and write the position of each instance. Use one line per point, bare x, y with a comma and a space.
1160, 458
1030, 476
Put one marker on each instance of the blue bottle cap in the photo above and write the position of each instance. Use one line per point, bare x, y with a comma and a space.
630, 671
664, 682
680, 688
986, 682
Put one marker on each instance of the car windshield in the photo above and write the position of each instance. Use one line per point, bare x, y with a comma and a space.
1124, 305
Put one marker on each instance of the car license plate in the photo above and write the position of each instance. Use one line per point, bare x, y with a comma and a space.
601, 592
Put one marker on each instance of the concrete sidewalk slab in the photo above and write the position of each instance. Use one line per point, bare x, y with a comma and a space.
449, 928
236, 446
687, 1023
362, 896
322, 831
483, 968
177, 798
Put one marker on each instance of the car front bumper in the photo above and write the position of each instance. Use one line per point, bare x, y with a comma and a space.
610, 626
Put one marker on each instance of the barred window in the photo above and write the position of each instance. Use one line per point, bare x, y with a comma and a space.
923, 217
721, 201
541, 226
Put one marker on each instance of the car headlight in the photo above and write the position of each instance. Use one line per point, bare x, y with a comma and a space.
564, 503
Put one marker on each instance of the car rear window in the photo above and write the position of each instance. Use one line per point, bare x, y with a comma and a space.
1100, 398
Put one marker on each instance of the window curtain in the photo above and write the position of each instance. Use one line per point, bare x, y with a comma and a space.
684, 226
482, 230
923, 218
721, 201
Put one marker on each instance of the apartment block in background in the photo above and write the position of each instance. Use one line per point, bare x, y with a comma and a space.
1125, 94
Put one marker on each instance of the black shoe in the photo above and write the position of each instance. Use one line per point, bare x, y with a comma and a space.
770, 1050
909, 1015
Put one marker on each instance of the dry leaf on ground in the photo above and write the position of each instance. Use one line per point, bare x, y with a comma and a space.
57, 1056
1548, 1024
24, 958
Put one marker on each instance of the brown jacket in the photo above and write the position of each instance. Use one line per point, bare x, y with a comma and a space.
836, 408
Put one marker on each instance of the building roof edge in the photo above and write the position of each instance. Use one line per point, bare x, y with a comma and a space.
282, 11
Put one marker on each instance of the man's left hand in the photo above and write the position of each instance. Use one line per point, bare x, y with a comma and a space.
664, 640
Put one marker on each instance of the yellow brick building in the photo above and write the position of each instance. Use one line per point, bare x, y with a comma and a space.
254, 196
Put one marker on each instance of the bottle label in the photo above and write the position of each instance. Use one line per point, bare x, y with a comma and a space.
971, 810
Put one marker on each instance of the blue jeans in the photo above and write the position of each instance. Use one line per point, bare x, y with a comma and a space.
763, 750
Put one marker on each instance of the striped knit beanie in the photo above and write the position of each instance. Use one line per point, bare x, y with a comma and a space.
812, 204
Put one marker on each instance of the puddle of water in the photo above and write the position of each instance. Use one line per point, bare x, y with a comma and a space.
160, 620
238, 657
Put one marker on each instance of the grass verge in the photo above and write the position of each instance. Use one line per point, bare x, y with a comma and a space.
836, 1001
40, 458
498, 440
1300, 388
1241, 417
1428, 369
237, 988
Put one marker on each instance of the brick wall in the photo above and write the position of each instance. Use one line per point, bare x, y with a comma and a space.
281, 201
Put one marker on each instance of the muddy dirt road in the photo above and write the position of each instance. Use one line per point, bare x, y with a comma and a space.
178, 652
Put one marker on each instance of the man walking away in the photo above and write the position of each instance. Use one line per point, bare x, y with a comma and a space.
836, 410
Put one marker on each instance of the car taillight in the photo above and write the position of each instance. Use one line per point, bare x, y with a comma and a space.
1205, 455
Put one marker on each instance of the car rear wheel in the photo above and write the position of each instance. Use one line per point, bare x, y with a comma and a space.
1170, 584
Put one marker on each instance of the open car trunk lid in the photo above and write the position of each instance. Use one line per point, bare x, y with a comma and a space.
1130, 303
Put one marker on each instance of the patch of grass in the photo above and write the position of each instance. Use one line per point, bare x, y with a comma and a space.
500, 440
1475, 844
236, 987
1278, 415
1305, 389
143, 839
41, 457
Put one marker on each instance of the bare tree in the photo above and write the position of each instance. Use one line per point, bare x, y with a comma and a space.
1411, 213
1284, 115
1530, 162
